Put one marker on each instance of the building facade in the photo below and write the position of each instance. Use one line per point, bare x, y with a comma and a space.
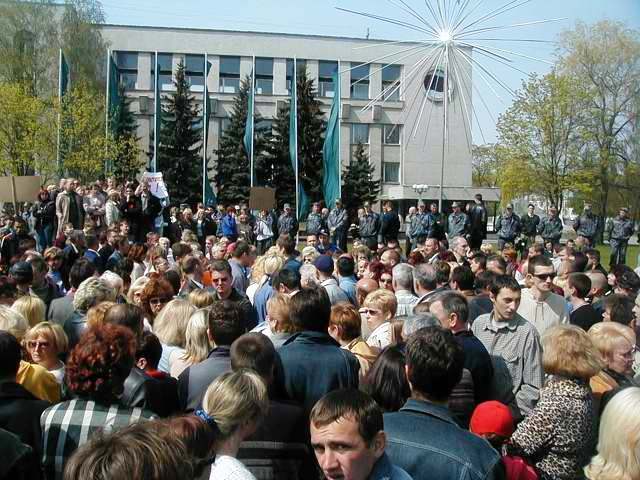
404, 151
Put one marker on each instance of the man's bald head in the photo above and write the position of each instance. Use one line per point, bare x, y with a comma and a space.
364, 287
598, 284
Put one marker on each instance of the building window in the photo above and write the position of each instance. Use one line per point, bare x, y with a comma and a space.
360, 82
165, 68
391, 135
194, 72
301, 65
390, 82
326, 70
127, 63
229, 74
359, 133
391, 172
264, 76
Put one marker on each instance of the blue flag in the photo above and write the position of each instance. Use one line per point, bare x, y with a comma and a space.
302, 201
113, 95
208, 197
331, 149
248, 129
157, 120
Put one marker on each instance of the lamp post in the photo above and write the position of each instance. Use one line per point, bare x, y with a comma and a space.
420, 189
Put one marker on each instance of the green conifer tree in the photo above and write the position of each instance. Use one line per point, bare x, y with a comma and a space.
180, 143
358, 184
232, 165
127, 161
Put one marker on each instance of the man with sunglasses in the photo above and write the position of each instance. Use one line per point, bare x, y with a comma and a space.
539, 305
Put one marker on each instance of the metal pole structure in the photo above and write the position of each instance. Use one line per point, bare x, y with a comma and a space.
253, 109
294, 105
339, 93
156, 99
205, 129
58, 157
106, 110
444, 126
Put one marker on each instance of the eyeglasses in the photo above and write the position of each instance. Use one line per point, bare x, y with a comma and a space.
545, 276
370, 311
35, 345
159, 301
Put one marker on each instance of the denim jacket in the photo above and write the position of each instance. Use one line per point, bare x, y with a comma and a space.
425, 441
385, 470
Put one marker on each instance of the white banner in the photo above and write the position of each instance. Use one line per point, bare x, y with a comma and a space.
156, 184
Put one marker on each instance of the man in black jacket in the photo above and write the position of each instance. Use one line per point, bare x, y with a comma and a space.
529, 224
390, 223
478, 223
150, 208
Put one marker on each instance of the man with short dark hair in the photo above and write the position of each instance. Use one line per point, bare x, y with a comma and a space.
586, 224
457, 222
280, 443
507, 227
222, 280
121, 248
324, 266
582, 313
41, 286
389, 223
550, 227
346, 277
286, 281
225, 325
192, 272
315, 222
539, 305
312, 362
287, 247
337, 223
514, 346
287, 222
423, 437
241, 260
369, 227
497, 264
462, 280
530, 223
348, 438
477, 222
452, 311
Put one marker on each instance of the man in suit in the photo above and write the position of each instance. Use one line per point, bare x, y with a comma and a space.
150, 208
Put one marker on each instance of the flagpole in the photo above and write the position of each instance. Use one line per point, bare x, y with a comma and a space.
106, 112
294, 105
156, 133
205, 124
253, 109
339, 93
58, 158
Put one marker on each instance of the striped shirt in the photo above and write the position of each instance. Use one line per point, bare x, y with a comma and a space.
68, 425
516, 355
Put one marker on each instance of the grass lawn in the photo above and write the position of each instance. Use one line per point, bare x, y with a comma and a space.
632, 255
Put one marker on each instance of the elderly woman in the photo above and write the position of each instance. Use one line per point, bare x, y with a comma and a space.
170, 326
196, 345
236, 402
379, 308
90, 292
618, 453
616, 344
309, 255
279, 328
45, 343
154, 296
135, 290
558, 436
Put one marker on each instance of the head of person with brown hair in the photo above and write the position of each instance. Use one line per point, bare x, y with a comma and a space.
345, 323
100, 363
155, 295
137, 252
142, 451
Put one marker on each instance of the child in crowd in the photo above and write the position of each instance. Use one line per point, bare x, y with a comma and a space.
493, 421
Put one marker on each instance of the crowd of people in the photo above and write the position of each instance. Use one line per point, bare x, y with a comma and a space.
214, 345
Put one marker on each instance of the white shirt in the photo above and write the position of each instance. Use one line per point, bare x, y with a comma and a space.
381, 336
543, 314
229, 468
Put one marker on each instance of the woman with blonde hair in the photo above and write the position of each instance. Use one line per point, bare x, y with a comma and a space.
379, 308
618, 456
236, 402
616, 344
201, 298
557, 437
33, 377
196, 345
309, 254
280, 329
135, 290
170, 326
45, 343
95, 315
31, 308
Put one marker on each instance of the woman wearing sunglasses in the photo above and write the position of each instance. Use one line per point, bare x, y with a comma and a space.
45, 343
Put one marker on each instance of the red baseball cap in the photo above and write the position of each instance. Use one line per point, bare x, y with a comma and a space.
492, 417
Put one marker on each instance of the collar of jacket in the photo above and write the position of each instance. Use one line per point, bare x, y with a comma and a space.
427, 408
220, 351
13, 390
309, 336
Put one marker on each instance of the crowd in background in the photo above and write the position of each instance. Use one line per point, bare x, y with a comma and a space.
216, 343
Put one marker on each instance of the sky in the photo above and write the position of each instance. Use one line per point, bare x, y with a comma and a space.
322, 18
